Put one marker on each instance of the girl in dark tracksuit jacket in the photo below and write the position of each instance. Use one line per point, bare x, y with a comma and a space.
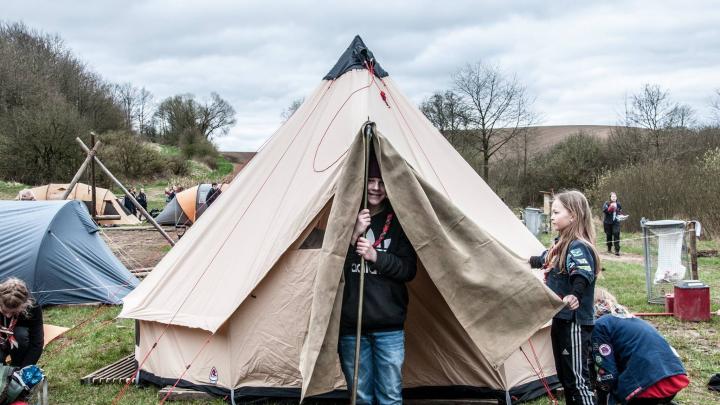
571, 266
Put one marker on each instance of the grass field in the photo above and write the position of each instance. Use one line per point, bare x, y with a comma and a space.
104, 339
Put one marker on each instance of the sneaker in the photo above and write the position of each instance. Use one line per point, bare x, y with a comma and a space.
617, 253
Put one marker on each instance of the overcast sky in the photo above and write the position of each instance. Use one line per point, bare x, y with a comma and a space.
578, 59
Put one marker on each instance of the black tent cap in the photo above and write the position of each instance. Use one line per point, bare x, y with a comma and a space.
354, 57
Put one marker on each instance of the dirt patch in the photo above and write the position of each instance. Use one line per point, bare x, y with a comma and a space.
624, 258
137, 247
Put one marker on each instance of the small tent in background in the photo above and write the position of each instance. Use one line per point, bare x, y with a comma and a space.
252, 293
187, 206
55, 248
106, 202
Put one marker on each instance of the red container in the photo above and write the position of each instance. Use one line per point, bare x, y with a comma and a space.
692, 301
670, 303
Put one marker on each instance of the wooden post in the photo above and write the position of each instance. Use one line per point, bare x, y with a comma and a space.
91, 154
127, 193
693, 250
92, 179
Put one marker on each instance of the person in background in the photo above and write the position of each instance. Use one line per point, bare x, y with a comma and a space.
25, 195
212, 194
391, 263
571, 266
127, 202
142, 200
170, 193
634, 364
21, 324
611, 223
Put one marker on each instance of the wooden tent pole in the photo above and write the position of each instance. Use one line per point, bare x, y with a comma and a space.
367, 138
92, 179
127, 194
90, 155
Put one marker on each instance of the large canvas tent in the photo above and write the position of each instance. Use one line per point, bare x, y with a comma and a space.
252, 292
187, 206
106, 202
55, 248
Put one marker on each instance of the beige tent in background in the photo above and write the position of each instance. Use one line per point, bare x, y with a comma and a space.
250, 296
106, 202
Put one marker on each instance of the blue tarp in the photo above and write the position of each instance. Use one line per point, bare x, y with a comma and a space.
54, 246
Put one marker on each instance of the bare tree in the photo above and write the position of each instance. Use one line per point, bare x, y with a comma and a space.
653, 110
145, 111
715, 106
499, 108
126, 96
448, 112
294, 105
216, 117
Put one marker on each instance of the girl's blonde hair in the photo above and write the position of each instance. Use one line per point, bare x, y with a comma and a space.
15, 296
581, 228
605, 303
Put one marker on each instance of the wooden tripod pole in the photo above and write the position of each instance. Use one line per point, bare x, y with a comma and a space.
127, 193
367, 139
91, 153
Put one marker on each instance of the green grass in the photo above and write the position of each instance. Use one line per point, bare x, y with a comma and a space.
97, 343
697, 342
10, 189
105, 339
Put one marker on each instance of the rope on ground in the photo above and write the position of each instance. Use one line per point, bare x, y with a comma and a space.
120, 250
207, 341
539, 372
122, 392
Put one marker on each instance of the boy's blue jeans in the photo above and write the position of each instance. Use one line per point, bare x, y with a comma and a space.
381, 359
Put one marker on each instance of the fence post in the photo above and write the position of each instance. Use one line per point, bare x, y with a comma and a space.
693, 250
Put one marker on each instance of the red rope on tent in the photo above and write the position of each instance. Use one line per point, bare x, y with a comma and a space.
413, 134
539, 372
122, 392
207, 341
317, 149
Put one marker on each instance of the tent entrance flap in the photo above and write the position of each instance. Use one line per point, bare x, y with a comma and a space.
482, 282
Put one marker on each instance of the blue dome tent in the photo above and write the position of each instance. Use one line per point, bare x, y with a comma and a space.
55, 248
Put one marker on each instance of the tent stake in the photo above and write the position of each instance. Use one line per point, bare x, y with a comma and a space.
127, 193
368, 132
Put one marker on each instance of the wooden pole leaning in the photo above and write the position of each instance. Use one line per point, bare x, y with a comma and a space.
90, 155
127, 194
367, 139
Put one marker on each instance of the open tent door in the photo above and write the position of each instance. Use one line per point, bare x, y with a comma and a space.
489, 289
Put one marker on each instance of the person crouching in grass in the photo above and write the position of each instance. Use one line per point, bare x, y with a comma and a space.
21, 324
634, 364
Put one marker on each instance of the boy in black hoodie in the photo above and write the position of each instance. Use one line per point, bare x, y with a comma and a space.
390, 263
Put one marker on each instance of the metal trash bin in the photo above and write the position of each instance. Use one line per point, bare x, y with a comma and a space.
534, 219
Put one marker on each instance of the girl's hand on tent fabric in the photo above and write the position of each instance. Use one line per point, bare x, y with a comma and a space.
362, 223
366, 250
571, 302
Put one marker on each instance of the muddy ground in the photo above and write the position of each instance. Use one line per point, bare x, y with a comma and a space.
138, 247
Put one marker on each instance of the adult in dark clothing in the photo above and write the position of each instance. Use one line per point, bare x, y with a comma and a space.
390, 263
611, 223
127, 202
213, 194
142, 200
21, 331
635, 364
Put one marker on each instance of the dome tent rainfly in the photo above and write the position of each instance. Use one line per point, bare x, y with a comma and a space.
253, 292
187, 206
54, 247
106, 202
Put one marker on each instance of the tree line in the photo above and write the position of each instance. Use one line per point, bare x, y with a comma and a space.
661, 157
48, 97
